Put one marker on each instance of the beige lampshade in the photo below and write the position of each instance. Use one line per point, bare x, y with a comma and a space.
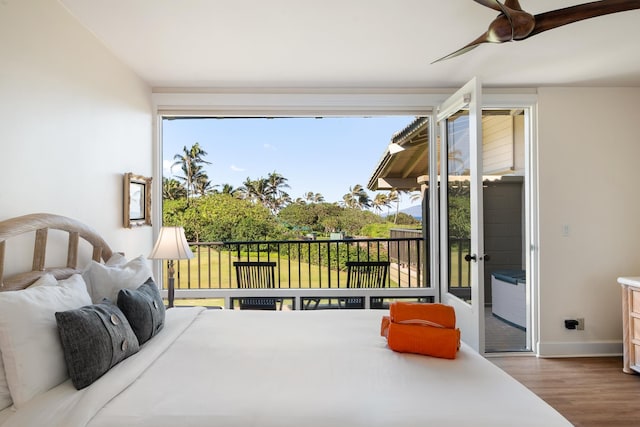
171, 244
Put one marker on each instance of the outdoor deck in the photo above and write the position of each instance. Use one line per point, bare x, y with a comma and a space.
305, 269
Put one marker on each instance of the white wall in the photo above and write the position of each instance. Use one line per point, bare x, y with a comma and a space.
73, 119
589, 148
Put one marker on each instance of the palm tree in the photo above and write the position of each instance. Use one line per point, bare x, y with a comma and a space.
348, 199
229, 189
191, 161
380, 201
253, 190
416, 196
394, 197
172, 189
276, 197
202, 185
356, 198
312, 197
281, 201
277, 182
267, 191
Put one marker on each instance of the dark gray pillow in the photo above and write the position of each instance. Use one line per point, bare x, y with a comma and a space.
144, 309
94, 339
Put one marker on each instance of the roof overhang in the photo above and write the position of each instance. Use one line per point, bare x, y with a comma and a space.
406, 159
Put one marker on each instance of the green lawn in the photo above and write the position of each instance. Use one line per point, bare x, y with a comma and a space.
454, 279
213, 269
216, 268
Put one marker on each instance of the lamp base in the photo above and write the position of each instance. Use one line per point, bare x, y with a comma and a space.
170, 285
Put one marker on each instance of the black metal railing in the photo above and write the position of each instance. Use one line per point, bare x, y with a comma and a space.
302, 263
316, 267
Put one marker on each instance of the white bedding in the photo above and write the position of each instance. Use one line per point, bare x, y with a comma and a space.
313, 368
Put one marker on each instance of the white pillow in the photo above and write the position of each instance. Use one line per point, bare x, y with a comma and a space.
104, 281
29, 340
45, 280
116, 260
5, 394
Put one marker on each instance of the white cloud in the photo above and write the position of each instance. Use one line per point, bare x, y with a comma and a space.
168, 170
236, 168
268, 146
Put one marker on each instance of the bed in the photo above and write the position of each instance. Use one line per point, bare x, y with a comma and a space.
255, 368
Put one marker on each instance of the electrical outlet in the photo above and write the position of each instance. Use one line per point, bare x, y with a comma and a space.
571, 324
574, 324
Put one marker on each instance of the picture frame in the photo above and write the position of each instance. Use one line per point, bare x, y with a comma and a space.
136, 200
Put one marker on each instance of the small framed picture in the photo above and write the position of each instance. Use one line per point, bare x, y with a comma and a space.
137, 200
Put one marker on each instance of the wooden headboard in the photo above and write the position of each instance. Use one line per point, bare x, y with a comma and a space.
41, 223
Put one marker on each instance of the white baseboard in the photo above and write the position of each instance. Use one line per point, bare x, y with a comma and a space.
579, 349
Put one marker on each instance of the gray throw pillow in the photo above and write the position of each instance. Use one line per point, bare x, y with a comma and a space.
144, 309
94, 339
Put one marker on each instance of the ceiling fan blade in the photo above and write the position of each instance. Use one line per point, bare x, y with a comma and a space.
513, 4
492, 4
477, 42
457, 53
500, 30
500, 7
557, 18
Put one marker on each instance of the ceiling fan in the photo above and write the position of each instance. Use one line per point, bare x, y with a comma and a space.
513, 23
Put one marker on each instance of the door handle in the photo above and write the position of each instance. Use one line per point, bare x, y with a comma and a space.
469, 257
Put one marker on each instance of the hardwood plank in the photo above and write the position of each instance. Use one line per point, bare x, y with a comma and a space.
588, 391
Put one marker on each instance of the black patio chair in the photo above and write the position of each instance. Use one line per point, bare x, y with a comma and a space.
365, 274
257, 275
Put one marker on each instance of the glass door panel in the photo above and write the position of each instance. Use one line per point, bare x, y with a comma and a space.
458, 204
461, 244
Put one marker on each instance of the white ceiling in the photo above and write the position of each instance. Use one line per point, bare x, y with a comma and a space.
353, 44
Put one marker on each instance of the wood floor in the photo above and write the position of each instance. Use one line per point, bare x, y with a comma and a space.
587, 391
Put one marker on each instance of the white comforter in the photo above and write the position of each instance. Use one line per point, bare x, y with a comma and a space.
312, 368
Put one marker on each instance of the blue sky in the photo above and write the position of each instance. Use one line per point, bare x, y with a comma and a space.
325, 156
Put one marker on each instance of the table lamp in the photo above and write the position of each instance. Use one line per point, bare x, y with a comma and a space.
171, 245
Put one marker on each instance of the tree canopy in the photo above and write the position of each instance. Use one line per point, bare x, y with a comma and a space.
261, 208
222, 217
